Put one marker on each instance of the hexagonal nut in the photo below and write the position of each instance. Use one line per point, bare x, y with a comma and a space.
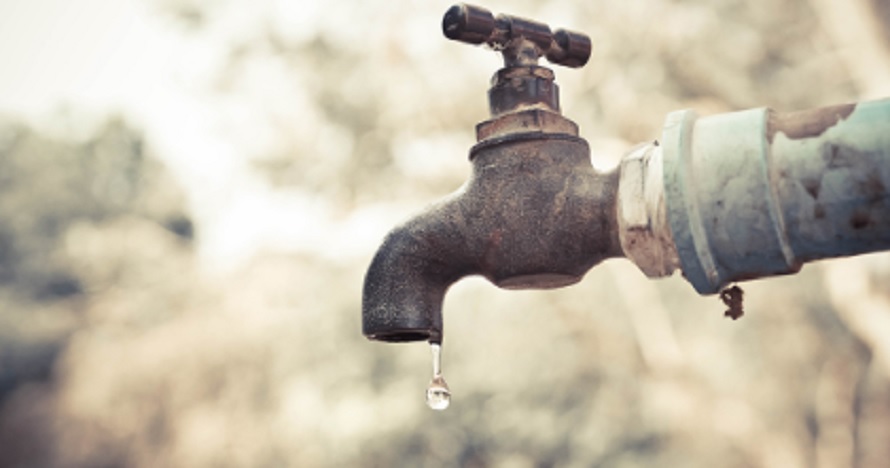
643, 227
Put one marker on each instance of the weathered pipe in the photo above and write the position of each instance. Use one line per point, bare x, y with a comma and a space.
757, 193
534, 214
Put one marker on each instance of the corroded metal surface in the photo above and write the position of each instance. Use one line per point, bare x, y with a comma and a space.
645, 233
527, 86
839, 194
526, 121
757, 193
522, 41
806, 124
534, 214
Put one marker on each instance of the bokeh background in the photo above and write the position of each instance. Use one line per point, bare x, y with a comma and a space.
190, 192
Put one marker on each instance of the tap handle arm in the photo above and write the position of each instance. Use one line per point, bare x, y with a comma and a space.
521, 40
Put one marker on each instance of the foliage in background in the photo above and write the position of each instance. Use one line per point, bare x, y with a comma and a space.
54, 196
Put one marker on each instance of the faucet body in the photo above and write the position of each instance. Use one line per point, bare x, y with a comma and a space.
534, 214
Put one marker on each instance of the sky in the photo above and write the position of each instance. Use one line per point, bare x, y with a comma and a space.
92, 54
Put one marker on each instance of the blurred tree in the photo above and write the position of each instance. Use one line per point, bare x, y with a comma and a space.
48, 186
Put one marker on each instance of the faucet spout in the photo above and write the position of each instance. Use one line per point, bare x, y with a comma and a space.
406, 282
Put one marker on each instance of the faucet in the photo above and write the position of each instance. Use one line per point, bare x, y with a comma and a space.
534, 214
723, 199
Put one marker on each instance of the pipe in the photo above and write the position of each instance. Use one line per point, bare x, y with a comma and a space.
757, 193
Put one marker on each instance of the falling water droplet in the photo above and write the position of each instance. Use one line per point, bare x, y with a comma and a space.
438, 396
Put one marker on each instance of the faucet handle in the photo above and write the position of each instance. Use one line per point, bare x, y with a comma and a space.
522, 41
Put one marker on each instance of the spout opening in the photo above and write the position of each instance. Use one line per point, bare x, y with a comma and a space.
401, 336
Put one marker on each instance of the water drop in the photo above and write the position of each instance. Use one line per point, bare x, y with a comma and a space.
438, 396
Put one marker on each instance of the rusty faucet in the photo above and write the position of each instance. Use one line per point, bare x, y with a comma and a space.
534, 214
724, 198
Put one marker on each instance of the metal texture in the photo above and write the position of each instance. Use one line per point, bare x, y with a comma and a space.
534, 214
520, 87
524, 121
643, 226
522, 41
758, 193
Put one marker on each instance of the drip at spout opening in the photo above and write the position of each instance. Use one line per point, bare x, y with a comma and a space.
438, 395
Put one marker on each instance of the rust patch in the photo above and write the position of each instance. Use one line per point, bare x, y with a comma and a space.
819, 211
812, 186
808, 123
860, 220
839, 156
873, 188
530, 120
732, 298
490, 256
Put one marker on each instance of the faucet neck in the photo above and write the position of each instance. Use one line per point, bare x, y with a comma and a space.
521, 87
523, 100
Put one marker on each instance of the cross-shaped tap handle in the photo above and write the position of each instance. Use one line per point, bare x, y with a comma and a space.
521, 40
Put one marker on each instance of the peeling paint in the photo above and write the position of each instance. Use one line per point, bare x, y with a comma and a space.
806, 124
812, 186
860, 220
740, 209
